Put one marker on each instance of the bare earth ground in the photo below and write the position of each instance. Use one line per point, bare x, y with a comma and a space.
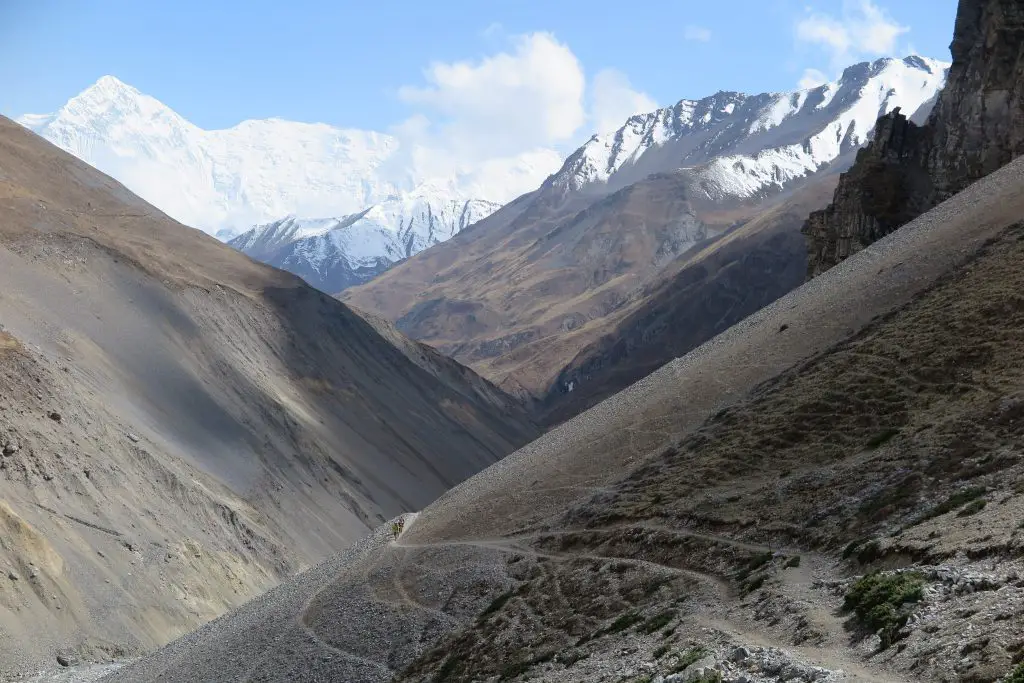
710, 519
180, 433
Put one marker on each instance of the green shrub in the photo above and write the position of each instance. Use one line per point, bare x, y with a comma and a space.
1016, 676
571, 657
623, 622
513, 670
792, 562
883, 602
496, 604
754, 583
715, 677
451, 667
869, 552
658, 621
755, 563
687, 658
956, 500
972, 508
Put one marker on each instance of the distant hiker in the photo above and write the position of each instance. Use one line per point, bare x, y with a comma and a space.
396, 529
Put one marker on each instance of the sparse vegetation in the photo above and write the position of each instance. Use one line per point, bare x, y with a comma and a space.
956, 500
521, 667
881, 438
658, 621
623, 622
496, 604
660, 651
451, 666
755, 563
972, 508
882, 602
571, 657
687, 658
871, 551
1016, 676
715, 677
851, 548
753, 583
792, 562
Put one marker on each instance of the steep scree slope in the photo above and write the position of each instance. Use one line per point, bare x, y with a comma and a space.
181, 427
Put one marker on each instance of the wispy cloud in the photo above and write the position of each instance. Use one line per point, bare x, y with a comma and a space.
861, 30
613, 100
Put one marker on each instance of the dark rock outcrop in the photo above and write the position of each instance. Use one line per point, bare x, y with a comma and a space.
976, 127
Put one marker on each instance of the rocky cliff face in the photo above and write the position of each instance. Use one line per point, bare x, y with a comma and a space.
976, 127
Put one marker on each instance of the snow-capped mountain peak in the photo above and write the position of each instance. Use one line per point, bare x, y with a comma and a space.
749, 144
335, 253
225, 181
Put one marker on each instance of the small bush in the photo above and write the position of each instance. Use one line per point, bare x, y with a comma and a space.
646, 678
715, 677
881, 437
883, 603
623, 622
871, 551
972, 508
657, 621
753, 584
496, 604
753, 565
792, 562
1016, 676
513, 670
660, 651
570, 658
652, 587
448, 670
687, 658
956, 500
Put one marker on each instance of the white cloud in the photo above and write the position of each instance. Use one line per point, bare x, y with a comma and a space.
862, 30
697, 33
529, 97
613, 100
509, 116
812, 78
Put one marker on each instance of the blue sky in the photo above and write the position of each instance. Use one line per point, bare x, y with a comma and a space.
567, 64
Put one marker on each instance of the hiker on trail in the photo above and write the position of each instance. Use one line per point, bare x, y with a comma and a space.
396, 529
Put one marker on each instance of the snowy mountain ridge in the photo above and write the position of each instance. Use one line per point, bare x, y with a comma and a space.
744, 145
336, 253
226, 181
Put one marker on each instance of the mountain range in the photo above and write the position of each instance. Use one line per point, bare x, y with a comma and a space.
261, 171
338, 207
527, 290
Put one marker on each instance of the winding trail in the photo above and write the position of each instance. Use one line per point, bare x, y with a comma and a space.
830, 657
